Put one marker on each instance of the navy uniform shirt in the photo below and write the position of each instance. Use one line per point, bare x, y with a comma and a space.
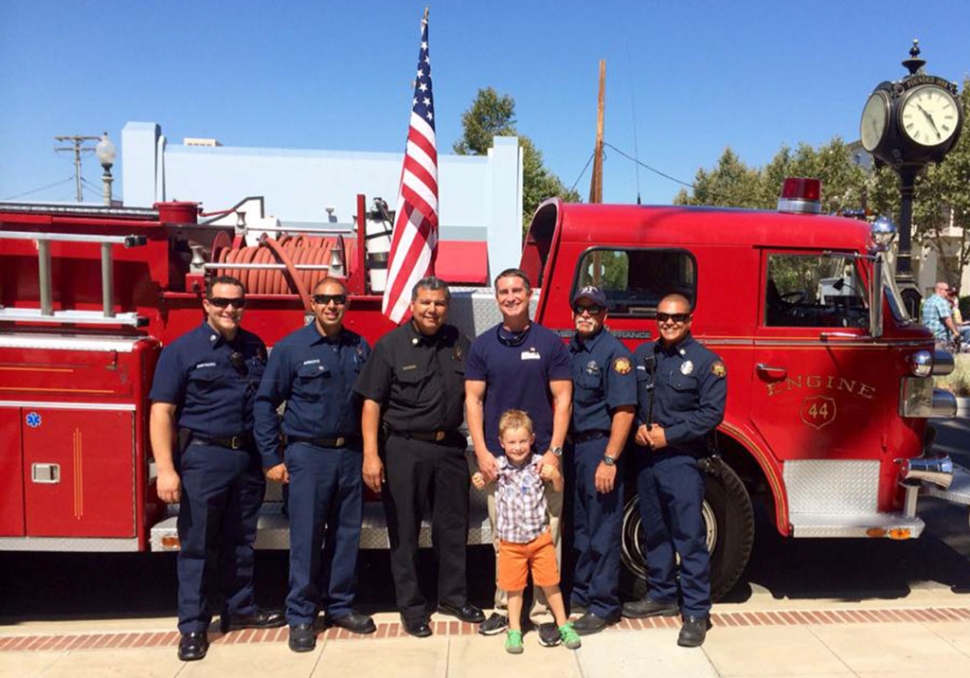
213, 391
603, 380
517, 370
689, 395
315, 375
419, 381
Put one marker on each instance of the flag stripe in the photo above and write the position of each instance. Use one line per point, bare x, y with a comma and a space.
415, 238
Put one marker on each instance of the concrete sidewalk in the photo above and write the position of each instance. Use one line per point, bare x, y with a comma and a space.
925, 633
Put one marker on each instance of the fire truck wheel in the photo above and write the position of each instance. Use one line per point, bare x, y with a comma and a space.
730, 533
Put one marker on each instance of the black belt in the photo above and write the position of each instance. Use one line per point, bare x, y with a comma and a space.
340, 441
425, 436
589, 435
243, 441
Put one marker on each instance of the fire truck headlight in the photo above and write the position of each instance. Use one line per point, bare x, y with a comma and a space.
918, 399
921, 364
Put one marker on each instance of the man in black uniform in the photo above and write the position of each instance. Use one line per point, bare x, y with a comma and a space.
414, 382
681, 391
202, 398
314, 369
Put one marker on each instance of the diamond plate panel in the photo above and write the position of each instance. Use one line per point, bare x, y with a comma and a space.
825, 486
830, 525
473, 309
77, 545
959, 490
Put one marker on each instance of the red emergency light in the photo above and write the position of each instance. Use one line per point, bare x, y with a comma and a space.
801, 196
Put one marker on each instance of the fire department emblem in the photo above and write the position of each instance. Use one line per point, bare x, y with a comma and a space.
622, 366
818, 411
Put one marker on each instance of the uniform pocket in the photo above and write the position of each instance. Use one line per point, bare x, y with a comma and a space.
312, 379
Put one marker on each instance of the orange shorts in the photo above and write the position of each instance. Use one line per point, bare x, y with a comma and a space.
514, 561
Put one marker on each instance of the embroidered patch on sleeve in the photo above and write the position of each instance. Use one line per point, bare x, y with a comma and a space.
718, 369
622, 366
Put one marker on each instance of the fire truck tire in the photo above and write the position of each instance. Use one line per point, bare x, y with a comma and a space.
730, 533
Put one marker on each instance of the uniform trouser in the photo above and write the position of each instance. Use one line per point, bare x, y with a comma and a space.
325, 507
554, 514
418, 474
597, 521
671, 489
222, 491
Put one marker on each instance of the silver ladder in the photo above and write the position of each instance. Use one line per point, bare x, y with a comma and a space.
46, 312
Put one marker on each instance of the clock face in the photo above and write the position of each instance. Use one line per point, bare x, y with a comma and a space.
929, 115
875, 120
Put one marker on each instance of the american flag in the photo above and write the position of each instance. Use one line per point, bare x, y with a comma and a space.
415, 240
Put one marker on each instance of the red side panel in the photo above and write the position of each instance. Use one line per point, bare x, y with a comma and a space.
78, 473
11, 474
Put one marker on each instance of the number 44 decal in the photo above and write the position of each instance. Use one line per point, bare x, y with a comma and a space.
818, 411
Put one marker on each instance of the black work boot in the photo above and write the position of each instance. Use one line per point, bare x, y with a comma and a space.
694, 631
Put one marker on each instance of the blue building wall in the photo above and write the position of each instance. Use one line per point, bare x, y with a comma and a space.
480, 197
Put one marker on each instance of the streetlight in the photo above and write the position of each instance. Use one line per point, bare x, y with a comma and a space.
105, 150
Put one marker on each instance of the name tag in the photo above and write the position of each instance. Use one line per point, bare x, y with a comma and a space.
315, 361
201, 365
407, 368
531, 355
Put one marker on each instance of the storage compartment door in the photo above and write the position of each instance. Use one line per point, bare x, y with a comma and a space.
79, 472
11, 474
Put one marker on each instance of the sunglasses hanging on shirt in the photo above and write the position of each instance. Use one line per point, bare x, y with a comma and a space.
507, 338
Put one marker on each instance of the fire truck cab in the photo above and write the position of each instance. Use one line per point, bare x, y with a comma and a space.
829, 380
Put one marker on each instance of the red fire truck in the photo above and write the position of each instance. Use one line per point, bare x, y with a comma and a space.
830, 381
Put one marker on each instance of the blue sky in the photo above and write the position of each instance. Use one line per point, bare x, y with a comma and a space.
701, 76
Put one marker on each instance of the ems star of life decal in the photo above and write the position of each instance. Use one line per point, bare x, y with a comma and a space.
818, 411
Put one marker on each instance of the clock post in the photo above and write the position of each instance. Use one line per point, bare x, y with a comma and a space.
908, 124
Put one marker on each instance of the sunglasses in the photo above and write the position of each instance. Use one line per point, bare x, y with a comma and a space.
224, 302
675, 317
324, 299
593, 309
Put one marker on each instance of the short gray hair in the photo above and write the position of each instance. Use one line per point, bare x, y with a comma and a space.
433, 284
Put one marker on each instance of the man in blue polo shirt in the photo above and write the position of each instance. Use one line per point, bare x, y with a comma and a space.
201, 432
313, 370
518, 365
604, 402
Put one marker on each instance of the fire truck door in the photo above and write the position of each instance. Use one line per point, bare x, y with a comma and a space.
814, 382
78, 472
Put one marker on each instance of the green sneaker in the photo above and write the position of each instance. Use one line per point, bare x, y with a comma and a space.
569, 636
513, 642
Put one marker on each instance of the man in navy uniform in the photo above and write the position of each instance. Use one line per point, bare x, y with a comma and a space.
518, 365
201, 432
313, 370
413, 388
682, 389
604, 402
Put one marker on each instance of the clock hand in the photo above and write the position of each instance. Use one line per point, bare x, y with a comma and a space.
930, 119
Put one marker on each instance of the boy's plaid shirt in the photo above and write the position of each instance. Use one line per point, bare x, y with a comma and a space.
520, 501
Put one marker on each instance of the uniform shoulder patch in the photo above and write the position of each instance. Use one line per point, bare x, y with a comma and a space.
622, 366
718, 369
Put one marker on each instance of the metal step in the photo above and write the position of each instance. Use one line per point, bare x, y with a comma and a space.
273, 531
828, 525
957, 493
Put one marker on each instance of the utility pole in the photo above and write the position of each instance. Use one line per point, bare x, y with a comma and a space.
77, 146
596, 181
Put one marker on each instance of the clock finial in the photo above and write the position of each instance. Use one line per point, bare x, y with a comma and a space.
914, 64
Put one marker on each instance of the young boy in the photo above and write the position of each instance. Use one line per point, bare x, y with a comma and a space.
524, 538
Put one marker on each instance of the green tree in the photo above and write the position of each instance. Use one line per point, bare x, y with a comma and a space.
491, 115
730, 184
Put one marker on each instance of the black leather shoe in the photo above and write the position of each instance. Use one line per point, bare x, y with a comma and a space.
467, 612
591, 623
353, 621
193, 646
260, 619
417, 627
302, 638
694, 631
639, 609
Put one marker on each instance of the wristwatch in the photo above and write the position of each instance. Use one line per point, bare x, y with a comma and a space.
608, 460
556, 451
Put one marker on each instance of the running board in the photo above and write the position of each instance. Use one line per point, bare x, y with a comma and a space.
273, 529
957, 493
854, 525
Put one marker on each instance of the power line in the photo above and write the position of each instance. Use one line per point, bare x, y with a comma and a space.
652, 169
585, 167
38, 190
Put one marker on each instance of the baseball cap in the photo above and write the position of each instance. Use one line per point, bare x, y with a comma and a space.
592, 293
